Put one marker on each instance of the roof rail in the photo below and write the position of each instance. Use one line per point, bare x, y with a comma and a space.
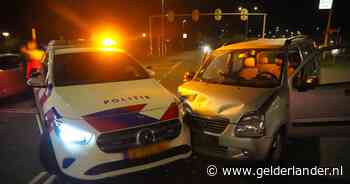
297, 37
69, 42
289, 40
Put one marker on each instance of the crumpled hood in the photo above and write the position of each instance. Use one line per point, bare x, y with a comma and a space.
224, 100
75, 102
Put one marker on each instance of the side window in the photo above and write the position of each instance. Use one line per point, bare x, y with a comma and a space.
309, 75
307, 49
311, 70
294, 61
9, 62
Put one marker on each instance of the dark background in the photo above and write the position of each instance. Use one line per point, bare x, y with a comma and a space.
77, 18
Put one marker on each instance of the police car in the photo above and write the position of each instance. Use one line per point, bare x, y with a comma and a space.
103, 114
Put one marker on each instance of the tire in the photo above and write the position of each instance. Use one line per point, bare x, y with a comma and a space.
47, 155
278, 147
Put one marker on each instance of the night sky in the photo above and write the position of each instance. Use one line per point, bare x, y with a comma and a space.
53, 18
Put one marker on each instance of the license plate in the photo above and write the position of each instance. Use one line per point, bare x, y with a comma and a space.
145, 151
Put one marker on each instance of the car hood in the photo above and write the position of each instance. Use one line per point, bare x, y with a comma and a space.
111, 106
224, 100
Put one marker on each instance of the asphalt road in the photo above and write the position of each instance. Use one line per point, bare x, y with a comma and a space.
19, 138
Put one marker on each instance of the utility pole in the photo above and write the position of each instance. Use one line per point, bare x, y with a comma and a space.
326, 38
150, 35
264, 26
157, 41
327, 5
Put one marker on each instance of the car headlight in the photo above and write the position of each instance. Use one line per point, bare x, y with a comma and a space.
206, 49
71, 134
251, 125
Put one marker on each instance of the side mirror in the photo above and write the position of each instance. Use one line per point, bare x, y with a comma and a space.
150, 71
188, 76
36, 81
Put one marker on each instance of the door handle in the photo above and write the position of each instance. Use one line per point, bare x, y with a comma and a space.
347, 92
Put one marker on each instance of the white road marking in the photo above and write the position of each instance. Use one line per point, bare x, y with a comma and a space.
38, 177
39, 123
50, 180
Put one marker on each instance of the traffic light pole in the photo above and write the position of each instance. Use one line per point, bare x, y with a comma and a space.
264, 26
162, 36
150, 35
162, 40
326, 37
246, 28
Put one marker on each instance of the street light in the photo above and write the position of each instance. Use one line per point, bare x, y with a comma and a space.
256, 8
240, 8
206, 49
5, 34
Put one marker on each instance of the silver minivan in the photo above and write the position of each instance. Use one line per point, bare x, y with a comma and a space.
247, 97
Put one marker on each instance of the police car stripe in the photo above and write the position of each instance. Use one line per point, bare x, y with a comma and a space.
119, 118
46, 94
171, 113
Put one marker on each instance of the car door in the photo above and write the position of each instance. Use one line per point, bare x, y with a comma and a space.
11, 75
320, 95
39, 93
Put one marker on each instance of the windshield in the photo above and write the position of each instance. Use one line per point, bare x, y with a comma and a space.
95, 67
253, 68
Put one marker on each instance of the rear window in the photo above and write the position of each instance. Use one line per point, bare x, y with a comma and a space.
96, 67
9, 62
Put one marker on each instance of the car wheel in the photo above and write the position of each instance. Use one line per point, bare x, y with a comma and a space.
278, 147
47, 155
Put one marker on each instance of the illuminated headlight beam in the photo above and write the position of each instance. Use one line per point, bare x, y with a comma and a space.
206, 49
70, 134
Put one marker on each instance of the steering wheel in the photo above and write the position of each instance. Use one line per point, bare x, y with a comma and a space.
267, 75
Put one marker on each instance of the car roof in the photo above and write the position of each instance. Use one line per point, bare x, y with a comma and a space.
8, 54
72, 50
66, 46
255, 44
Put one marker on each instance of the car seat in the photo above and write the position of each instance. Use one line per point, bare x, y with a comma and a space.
249, 70
265, 66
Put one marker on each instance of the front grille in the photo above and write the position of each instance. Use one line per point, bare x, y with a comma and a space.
127, 163
213, 125
118, 141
